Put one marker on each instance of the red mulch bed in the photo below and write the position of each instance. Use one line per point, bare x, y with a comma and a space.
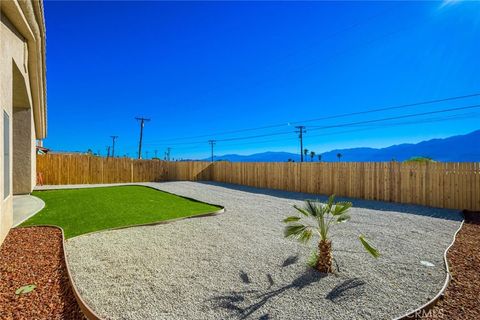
462, 296
35, 256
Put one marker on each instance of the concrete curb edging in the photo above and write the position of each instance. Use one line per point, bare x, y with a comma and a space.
421, 311
87, 311
415, 314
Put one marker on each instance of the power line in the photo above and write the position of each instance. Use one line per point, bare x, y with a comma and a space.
373, 121
408, 105
373, 110
396, 117
351, 124
142, 124
366, 127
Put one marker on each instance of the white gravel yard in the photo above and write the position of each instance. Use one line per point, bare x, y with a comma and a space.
238, 265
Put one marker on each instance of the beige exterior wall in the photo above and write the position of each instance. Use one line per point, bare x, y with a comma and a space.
23, 165
22, 97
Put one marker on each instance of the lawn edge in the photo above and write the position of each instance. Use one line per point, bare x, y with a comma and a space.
207, 214
86, 309
154, 223
422, 310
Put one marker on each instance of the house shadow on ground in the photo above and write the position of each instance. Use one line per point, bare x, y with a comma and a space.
447, 214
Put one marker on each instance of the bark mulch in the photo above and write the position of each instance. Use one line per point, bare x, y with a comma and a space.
35, 256
462, 296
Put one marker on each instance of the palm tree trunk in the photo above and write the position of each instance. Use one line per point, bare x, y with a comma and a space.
324, 262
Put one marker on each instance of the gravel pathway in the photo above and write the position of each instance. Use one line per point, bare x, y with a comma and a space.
237, 265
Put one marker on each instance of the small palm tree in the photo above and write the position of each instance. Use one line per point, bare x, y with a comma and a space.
324, 216
312, 155
339, 155
319, 157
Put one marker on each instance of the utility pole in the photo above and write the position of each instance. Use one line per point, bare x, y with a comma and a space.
142, 124
212, 143
301, 130
167, 153
113, 145
108, 151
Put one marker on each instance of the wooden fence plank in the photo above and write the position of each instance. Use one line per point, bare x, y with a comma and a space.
447, 185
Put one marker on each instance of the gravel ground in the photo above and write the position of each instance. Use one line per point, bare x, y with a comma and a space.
238, 265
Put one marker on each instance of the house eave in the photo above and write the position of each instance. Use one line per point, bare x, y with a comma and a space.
27, 17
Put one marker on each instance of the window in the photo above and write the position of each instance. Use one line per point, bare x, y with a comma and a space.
6, 155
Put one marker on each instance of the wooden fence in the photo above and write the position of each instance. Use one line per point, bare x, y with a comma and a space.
58, 169
443, 185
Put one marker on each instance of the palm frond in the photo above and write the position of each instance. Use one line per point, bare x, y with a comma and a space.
343, 217
305, 236
291, 219
298, 231
341, 207
330, 203
374, 252
312, 207
302, 210
293, 230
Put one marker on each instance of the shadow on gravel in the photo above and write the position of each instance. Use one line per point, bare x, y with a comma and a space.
446, 214
290, 260
234, 301
244, 277
346, 289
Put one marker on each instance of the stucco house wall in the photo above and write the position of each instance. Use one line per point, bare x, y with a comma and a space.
22, 100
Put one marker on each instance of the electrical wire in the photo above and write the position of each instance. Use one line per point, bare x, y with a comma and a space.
369, 123
337, 116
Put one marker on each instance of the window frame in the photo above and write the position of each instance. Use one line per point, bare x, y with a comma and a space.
6, 155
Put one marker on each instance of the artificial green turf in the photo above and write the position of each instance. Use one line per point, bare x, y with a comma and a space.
80, 211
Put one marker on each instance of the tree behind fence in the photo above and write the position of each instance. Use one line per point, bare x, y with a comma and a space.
444, 185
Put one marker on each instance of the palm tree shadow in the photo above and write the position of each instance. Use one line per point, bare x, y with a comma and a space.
346, 289
244, 276
233, 301
290, 260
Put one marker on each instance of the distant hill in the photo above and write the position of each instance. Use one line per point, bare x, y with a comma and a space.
461, 148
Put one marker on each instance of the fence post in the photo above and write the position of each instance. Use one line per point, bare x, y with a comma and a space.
131, 170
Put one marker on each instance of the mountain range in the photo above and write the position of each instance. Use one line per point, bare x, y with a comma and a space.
460, 148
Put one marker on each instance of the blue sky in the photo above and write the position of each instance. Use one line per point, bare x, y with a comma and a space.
201, 69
